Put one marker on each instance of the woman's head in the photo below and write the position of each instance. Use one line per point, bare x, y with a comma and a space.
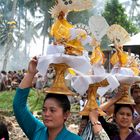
56, 109
123, 114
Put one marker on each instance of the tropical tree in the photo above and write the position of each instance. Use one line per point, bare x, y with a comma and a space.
114, 13
46, 21
27, 29
134, 9
138, 20
7, 33
134, 12
10, 36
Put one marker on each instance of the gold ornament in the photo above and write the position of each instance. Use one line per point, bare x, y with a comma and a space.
126, 97
91, 101
59, 85
117, 34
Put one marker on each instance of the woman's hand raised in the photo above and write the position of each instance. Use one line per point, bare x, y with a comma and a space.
32, 66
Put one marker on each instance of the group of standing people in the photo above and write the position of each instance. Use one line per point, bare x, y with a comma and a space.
56, 109
11, 79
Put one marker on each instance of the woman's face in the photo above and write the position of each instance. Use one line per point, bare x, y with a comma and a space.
124, 117
52, 113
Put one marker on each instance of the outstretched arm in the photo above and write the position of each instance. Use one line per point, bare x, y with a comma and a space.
109, 105
24, 117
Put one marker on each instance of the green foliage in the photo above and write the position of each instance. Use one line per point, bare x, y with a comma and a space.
137, 19
4, 18
6, 99
114, 13
34, 101
3, 31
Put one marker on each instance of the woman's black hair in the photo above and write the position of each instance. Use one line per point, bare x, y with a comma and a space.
3, 131
119, 106
62, 100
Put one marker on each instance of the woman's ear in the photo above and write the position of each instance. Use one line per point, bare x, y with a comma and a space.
66, 115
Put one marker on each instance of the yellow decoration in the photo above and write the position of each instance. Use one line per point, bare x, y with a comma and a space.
126, 97
133, 64
61, 29
59, 84
97, 56
135, 70
61, 32
123, 58
76, 47
114, 59
91, 103
71, 71
119, 57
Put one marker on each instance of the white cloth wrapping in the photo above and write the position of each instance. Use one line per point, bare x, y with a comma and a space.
80, 63
53, 49
82, 82
122, 71
75, 33
98, 69
124, 75
113, 84
127, 79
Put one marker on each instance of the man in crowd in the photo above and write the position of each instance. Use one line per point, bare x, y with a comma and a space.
135, 92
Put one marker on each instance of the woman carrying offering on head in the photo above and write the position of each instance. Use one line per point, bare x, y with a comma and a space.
56, 109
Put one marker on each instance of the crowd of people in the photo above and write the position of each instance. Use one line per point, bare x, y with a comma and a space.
124, 125
10, 79
122, 120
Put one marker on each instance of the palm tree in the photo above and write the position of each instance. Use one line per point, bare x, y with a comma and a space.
8, 42
134, 9
45, 22
10, 37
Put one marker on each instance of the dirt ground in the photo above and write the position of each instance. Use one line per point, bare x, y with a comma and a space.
15, 133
